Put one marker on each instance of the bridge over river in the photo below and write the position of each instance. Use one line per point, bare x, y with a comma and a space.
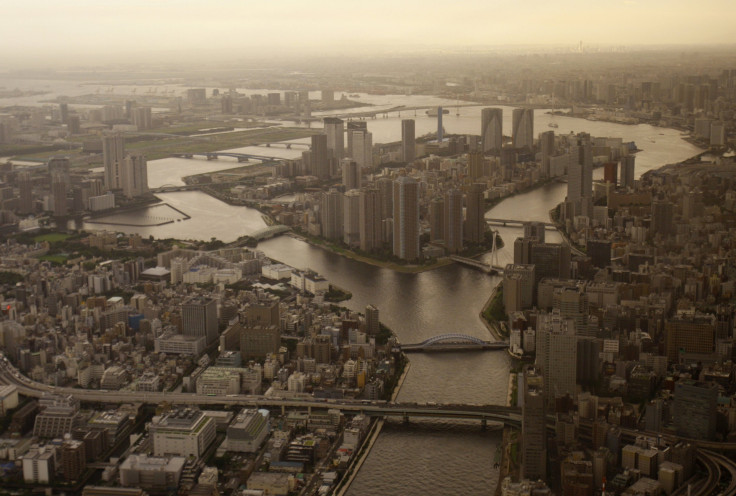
453, 342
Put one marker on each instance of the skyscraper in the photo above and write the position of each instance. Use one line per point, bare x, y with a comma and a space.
60, 182
535, 230
475, 165
557, 355
408, 140
142, 118
547, 147
475, 222
25, 193
437, 219
199, 318
533, 427
350, 174
696, 409
319, 158
491, 130
626, 174
362, 145
371, 232
440, 129
406, 218
580, 177
351, 218
372, 324
134, 175
331, 211
523, 128
335, 131
386, 190
354, 126
454, 221
113, 152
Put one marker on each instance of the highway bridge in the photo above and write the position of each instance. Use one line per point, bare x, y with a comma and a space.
453, 342
241, 157
484, 413
517, 223
720, 470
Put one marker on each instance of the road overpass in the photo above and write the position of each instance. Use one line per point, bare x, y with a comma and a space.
483, 413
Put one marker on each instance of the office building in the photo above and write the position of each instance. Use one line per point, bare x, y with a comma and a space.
354, 126
73, 459
256, 342
25, 193
475, 165
406, 218
59, 192
351, 218
520, 281
199, 318
453, 221
610, 173
408, 140
182, 432
627, 170
556, 346
695, 409
475, 208
663, 214
335, 131
372, 325
152, 473
248, 431
59, 416
535, 230
142, 118
331, 214
134, 175
580, 177
550, 260
320, 157
491, 130
39, 465
362, 148
113, 153
599, 251
523, 128
371, 228
533, 427
547, 147
351, 174
265, 311
386, 191
437, 219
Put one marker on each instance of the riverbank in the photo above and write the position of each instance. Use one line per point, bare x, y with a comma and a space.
371, 438
509, 439
409, 269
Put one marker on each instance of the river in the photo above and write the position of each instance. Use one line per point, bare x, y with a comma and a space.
422, 457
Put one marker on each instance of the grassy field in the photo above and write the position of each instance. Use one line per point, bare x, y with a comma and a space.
52, 237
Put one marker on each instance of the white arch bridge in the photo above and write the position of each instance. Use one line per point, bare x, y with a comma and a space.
453, 342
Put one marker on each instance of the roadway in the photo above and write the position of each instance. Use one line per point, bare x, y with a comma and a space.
718, 466
484, 413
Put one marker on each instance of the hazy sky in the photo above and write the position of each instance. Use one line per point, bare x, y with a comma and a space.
82, 27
